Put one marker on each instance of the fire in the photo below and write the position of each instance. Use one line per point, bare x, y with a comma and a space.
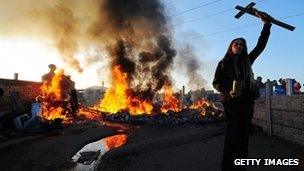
51, 113
170, 102
54, 96
88, 113
115, 141
137, 106
51, 88
120, 97
200, 103
117, 98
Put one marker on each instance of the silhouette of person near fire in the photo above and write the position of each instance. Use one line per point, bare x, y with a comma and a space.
47, 78
65, 84
68, 93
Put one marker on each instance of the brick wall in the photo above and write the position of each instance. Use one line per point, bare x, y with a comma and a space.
287, 117
28, 91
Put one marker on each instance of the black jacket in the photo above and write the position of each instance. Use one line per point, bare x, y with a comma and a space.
225, 72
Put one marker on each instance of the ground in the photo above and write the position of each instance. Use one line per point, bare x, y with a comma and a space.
202, 150
149, 147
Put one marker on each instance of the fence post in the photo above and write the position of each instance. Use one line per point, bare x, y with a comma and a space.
269, 91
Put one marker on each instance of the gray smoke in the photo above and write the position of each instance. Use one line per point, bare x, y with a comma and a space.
189, 62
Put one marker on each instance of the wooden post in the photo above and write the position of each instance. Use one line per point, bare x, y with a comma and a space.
74, 101
269, 91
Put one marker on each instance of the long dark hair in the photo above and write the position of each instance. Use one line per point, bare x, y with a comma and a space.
229, 52
242, 59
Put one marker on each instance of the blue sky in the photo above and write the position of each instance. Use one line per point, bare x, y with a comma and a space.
283, 55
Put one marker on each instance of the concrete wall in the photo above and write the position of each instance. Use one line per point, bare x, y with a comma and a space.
28, 91
287, 117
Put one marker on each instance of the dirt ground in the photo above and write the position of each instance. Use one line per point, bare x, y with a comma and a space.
51, 151
195, 147
149, 147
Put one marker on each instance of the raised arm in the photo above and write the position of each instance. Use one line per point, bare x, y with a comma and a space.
263, 39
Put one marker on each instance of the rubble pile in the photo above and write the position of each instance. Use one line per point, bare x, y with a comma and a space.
168, 118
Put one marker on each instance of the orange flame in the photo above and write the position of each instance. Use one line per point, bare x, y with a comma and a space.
119, 97
202, 105
170, 101
89, 114
137, 106
52, 92
115, 141
116, 98
51, 88
51, 113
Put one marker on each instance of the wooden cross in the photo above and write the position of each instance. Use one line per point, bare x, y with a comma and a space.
252, 11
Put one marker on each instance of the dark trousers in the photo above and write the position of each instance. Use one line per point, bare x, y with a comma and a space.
238, 114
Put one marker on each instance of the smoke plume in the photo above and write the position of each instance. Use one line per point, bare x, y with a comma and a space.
134, 34
64, 23
138, 40
189, 62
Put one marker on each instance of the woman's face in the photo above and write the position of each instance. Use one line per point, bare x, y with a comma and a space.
237, 47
